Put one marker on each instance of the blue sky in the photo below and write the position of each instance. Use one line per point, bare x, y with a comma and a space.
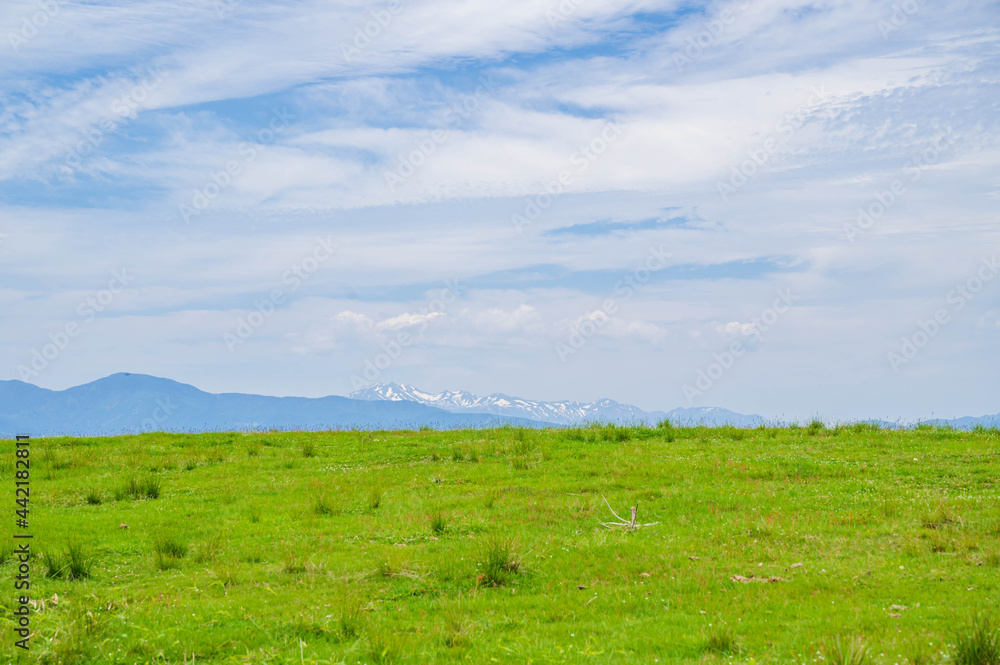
637, 181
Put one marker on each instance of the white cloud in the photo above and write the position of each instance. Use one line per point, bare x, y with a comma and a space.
407, 320
496, 320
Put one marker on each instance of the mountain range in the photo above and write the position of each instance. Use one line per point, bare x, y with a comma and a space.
562, 413
129, 403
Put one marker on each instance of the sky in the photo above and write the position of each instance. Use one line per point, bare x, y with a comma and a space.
778, 207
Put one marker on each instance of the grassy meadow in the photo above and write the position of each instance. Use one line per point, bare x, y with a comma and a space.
793, 545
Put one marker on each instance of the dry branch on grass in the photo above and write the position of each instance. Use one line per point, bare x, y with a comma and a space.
621, 523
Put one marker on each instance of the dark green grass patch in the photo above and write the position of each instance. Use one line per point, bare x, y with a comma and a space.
138, 488
498, 561
169, 550
978, 643
74, 563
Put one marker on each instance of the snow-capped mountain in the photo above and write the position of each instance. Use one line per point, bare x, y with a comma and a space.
129, 403
563, 413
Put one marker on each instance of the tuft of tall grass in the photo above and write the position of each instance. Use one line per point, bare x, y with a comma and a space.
815, 427
861, 428
375, 498
93, 497
75, 564
78, 562
253, 555
136, 488
209, 550
53, 565
498, 561
721, 640
323, 506
979, 643
846, 652
438, 523
292, 565
386, 569
169, 551
308, 449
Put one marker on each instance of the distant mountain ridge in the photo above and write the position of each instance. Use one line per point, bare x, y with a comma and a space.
604, 410
129, 403
562, 412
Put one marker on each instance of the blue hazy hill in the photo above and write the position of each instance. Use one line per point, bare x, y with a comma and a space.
128, 403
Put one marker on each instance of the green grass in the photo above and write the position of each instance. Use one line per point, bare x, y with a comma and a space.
138, 488
375, 497
721, 640
169, 550
499, 562
73, 564
438, 523
847, 651
389, 547
978, 643
322, 506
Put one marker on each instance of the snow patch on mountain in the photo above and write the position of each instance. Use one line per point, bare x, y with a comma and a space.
563, 413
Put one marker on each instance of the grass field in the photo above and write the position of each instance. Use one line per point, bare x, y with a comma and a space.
801, 545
